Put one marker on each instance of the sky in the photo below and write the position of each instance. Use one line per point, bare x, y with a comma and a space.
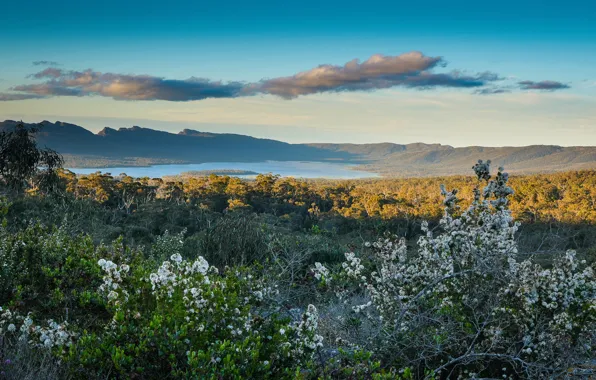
506, 73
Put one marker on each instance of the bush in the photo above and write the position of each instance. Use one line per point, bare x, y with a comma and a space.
234, 239
464, 306
183, 319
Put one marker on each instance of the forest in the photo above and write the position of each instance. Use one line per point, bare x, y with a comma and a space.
211, 276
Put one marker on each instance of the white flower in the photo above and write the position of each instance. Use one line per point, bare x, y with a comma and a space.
112, 296
320, 271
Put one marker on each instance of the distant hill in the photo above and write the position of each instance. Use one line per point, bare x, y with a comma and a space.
142, 146
419, 159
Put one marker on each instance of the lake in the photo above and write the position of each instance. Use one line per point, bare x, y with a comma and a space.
298, 169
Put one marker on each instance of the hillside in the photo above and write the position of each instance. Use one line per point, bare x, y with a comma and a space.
138, 146
435, 159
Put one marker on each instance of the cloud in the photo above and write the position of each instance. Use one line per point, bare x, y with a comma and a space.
45, 63
50, 72
547, 85
377, 72
4, 97
408, 70
291, 87
48, 89
453, 79
127, 87
412, 70
492, 91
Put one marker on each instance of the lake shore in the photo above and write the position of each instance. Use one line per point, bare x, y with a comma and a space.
298, 169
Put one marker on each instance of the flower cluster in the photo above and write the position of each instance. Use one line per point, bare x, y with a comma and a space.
54, 335
23, 328
6, 321
112, 280
320, 272
352, 265
177, 272
562, 299
168, 244
306, 338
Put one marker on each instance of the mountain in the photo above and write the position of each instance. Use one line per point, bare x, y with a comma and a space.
142, 146
152, 146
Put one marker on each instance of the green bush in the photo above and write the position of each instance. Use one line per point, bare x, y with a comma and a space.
234, 239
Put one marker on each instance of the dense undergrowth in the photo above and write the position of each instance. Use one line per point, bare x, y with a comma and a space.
216, 277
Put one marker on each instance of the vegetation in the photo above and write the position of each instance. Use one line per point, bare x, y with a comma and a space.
216, 277
557, 210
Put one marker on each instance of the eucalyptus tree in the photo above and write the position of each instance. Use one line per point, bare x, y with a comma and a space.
23, 164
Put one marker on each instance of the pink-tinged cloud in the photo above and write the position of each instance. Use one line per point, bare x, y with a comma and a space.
127, 87
376, 72
413, 70
409, 70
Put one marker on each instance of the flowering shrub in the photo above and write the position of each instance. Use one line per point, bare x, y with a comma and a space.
464, 305
185, 319
167, 244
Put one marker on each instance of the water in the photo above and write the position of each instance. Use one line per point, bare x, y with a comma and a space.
298, 169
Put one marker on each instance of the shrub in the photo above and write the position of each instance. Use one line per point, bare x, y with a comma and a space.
236, 238
63, 296
464, 306
187, 320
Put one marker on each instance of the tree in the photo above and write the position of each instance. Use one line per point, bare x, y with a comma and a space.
23, 163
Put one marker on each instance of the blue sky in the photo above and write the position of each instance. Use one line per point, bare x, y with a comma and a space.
264, 44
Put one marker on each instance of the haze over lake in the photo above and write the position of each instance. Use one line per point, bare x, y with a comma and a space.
298, 169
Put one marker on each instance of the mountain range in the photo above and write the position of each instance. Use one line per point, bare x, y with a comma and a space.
143, 146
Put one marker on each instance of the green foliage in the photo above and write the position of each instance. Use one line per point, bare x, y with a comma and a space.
161, 337
155, 330
52, 274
